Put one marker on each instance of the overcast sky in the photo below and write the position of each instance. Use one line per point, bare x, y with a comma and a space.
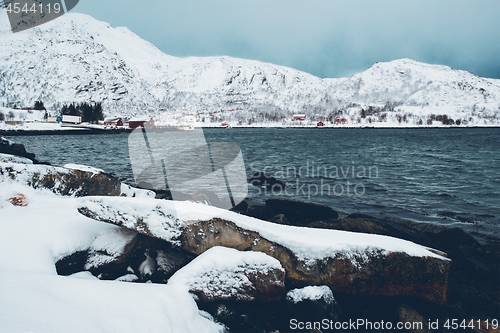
326, 38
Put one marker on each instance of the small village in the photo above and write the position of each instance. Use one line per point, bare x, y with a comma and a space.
31, 119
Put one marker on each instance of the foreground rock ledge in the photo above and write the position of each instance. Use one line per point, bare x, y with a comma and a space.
347, 262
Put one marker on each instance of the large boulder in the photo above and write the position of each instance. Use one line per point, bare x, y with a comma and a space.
301, 213
223, 274
347, 262
77, 181
125, 255
263, 180
372, 225
16, 149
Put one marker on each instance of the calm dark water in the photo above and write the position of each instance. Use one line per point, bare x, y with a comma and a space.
447, 176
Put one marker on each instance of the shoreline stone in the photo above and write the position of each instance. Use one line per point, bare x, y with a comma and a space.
379, 274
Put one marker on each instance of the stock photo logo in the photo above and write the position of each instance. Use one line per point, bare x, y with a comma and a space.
26, 14
183, 163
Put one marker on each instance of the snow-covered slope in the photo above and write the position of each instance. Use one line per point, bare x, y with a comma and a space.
414, 88
36, 299
77, 58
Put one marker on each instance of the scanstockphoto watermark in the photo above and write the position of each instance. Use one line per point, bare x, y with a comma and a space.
312, 179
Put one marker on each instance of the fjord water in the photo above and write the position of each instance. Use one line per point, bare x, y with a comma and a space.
447, 175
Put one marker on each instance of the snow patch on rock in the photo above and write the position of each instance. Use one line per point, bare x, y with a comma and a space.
312, 293
85, 168
222, 273
6, 158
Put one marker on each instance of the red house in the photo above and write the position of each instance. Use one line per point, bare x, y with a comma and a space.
341, 121
140, 122
113, 121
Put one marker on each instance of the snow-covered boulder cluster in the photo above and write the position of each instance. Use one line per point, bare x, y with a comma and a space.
35, 298
346, 261
55, 243
71, 181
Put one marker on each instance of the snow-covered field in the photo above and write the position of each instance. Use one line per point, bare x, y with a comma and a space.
35, 299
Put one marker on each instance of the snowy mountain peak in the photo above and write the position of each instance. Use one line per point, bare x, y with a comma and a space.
77, 58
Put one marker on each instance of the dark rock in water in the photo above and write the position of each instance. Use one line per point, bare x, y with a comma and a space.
301, 213
16, 149
456, 240
263, 180
260, 212
474, 281
312, 303
250, 317
241, 207
360, 216
371, 225
280, 219
145, 185
208, 197
416, 323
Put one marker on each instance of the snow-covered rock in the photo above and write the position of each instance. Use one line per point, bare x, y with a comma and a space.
345, 261
6, 158
77, 58
85, 168
60, 180
34, 298
73, 180
109, 247
312, 303
311, 293
227, 274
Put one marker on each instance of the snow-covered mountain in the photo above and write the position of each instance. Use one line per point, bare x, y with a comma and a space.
77, 58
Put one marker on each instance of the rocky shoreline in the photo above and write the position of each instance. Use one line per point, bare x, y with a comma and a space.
82, 131
461, 281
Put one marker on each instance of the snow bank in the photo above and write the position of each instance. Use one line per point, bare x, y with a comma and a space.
165, 219
312, 293
35, 299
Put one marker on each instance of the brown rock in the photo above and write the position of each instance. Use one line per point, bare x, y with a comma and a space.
301, 213
64, 181
224, 274
18, 200
392, 273
412, 320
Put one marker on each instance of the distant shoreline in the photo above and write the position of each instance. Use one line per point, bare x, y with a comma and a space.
129, 130
64, 132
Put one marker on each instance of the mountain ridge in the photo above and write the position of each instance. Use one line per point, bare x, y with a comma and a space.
77, 58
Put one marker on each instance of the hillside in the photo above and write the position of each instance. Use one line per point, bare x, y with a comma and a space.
77, 58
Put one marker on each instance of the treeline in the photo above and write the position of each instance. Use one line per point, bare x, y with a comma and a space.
90, 113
